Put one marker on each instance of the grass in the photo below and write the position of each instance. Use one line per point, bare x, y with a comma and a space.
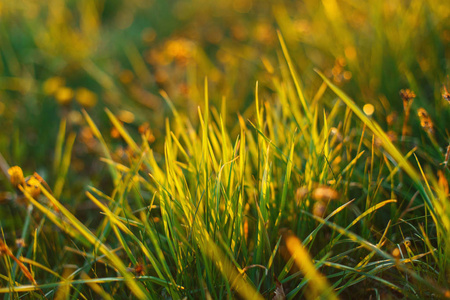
257, 176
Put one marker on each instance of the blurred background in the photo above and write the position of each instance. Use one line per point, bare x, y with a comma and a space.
58, 57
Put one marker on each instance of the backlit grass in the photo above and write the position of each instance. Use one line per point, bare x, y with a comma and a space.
305, 162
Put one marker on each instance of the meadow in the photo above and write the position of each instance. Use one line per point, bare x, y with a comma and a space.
228, 149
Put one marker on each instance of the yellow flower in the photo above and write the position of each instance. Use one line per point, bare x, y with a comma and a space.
64, 95
52, 84
32, 186
15, 175
86, 98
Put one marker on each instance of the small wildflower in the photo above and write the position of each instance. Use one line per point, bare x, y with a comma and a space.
148, 135
324, 193
41, 180
391, 118
407, 97
64, 95
422, 113
86, 98
427, 125
143, 127
407, 243
115, 134
16, 175
425, 120
32, 186
52, 84
179, 50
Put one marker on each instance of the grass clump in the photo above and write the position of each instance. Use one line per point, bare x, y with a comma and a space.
304, 193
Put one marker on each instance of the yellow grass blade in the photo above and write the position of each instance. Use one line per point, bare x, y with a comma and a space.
125, 135
318, 284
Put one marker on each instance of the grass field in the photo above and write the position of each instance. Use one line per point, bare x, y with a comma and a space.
224, 149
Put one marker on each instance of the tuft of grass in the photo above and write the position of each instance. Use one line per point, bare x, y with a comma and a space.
294, 192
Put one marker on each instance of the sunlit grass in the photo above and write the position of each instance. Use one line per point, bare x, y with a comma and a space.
220, 165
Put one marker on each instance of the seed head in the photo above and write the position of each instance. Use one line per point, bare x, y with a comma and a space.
407, 96
425, 120
422, 113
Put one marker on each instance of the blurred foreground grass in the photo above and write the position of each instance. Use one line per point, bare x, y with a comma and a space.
290, 189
